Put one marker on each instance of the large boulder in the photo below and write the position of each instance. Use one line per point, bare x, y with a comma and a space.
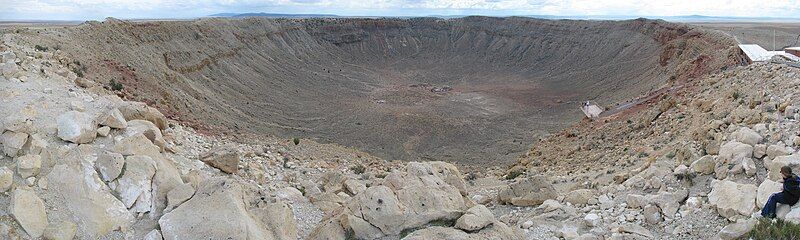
140, 110
137, 144
774, 151
279, 219
165, 180
18, 123
63, 230
217, 211
747, 136
148, 129
29, 165
734, 152
476, 218
738, 229
13, 142
704, 165
135, 185
109, 165
113, 119
530, 191
732, 199
86, 198
774, 167
579, 197
76, 127
28, 209
225, 158
765, 190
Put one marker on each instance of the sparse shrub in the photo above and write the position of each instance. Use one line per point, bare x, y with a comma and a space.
471, 176
670, 155
380, 175
302, 190
40, 48
78, 71
296, 141
643, 154
115, 86
358, 169
780, 229
736, 94
514, 174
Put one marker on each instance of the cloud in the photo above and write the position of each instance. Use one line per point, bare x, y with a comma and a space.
99, 9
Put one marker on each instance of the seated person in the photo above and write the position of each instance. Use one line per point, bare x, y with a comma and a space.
789, 195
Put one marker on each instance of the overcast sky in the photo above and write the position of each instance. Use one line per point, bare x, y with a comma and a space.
99, 9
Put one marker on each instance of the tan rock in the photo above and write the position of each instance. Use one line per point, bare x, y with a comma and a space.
64, 230
529, 191
737, 230
76, 127
109, 165
747, 136
149, 130
103, 131
766, 189
139, 110
6, 179
29, 165
732, 199
704, 165
28, 209
579, 197
179, 195
217, 211
13, 142
224, 158
279, 219
153, 235
114, 119
136, 145
87, 198
332, 181
354, 186
476, 218
135, 184
18, 123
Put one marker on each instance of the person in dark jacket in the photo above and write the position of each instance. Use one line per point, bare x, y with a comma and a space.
789, 195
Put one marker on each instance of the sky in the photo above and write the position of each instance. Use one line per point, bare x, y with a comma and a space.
100, 9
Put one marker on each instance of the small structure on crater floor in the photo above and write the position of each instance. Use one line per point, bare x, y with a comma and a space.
590, 109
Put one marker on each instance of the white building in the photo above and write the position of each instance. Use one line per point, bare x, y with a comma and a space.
756, 53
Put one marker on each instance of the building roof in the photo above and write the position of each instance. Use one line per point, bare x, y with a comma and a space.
757, 54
